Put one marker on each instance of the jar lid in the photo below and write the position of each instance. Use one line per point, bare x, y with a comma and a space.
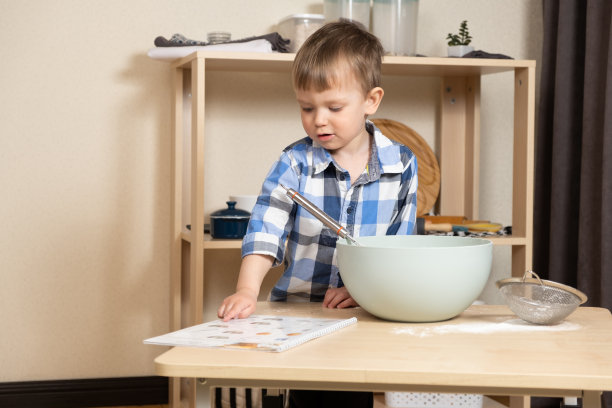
231, 212
316, 17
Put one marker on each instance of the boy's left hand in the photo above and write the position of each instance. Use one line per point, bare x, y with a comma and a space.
338, 298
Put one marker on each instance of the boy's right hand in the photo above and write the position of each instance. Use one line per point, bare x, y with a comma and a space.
239, 305
242, 303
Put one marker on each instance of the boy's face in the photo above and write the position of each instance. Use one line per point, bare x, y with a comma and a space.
335, 117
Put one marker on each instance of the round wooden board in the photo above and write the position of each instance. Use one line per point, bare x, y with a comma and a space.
429, 170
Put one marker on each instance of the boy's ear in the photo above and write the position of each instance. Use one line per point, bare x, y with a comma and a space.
373, 99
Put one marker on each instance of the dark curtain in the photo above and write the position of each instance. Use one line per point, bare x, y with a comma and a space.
573, 178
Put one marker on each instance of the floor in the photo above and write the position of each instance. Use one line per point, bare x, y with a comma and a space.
141, 406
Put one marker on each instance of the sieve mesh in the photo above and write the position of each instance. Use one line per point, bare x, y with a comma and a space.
540, 302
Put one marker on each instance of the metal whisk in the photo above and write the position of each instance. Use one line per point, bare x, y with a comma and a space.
320, 215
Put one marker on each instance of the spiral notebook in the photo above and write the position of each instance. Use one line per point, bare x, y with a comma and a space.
256, 332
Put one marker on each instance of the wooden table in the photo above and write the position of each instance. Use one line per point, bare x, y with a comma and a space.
485, 350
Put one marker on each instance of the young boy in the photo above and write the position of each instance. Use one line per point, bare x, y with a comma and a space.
345, 166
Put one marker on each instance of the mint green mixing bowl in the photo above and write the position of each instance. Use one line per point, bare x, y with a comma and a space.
415, 278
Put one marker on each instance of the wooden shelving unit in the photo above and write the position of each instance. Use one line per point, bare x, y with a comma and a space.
459, 161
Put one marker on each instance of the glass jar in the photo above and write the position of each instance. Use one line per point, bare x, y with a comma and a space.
356, 10
394, 22
218, 37
298, 27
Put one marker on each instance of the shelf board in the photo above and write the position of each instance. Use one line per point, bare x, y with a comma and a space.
445, 67
392, 65
213, 243
239, 61
508, 240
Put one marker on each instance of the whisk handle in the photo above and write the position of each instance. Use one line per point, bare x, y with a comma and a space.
319, 214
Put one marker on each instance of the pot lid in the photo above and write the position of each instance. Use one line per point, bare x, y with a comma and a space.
230, 212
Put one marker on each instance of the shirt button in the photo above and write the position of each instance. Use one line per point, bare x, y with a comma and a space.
349, 210
341, 177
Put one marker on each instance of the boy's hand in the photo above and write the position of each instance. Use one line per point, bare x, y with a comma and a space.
242, 303
338, 298
239, 305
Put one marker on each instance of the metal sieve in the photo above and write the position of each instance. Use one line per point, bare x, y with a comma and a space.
540, 301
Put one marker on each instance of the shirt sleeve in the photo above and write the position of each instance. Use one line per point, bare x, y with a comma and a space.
273, 216
405, 222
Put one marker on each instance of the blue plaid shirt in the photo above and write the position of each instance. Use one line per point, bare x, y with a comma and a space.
382, 201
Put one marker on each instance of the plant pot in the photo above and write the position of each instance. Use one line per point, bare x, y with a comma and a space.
459, 50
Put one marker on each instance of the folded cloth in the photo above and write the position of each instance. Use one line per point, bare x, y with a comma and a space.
483, 54
172, 53
178, 40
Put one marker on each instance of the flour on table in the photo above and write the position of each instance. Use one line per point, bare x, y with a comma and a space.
512, 325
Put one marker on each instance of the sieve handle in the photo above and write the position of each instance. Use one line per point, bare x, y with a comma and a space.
532, 273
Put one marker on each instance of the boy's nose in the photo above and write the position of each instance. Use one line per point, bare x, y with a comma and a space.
320, 118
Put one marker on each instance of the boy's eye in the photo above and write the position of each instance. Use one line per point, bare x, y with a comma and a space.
304, 109
335, 108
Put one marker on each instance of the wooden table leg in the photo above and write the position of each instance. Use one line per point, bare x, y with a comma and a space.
521, 401
591, 399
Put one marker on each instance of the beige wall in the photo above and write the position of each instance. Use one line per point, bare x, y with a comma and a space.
85, 160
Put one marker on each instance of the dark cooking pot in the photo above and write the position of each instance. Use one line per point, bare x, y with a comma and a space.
229, 222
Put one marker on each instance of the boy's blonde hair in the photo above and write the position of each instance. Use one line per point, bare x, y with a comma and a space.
342, 44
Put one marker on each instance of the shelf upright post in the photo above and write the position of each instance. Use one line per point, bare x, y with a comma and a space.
472, 147
176, 222
195, 290
459, 145
523, 173
196, 267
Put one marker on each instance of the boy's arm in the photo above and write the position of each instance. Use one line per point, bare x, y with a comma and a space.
241, 304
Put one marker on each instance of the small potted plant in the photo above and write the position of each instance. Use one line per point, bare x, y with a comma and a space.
458, 44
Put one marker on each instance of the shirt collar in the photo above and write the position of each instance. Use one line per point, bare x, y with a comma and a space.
385, 157
321, 158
